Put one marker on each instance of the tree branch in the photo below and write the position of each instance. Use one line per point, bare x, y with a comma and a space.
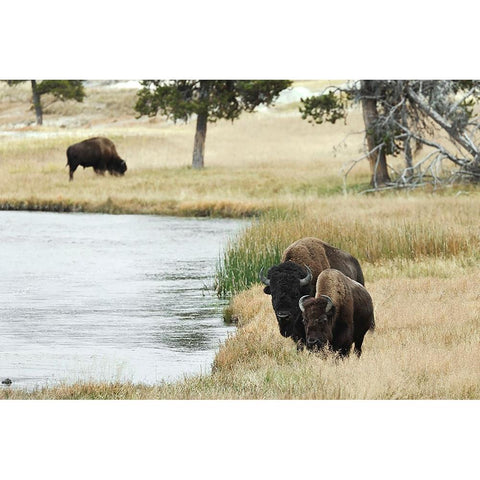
433, 144
456, 104
434, 115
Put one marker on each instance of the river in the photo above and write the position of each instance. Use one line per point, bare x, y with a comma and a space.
92, 297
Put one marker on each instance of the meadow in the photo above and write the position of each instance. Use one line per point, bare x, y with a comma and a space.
261, 162
419, 250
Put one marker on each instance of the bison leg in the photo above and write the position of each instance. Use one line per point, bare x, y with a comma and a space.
344, 351
358, 347
342, 339
358, 342
359, 336
72, 170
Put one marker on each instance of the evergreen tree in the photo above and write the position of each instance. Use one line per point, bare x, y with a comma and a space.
60, 89
209, 100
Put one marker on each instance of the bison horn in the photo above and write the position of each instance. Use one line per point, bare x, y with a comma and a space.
329, 303
300, 302
263, 278
307, 279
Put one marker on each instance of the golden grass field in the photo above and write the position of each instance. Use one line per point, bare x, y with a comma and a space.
261, 161
419, 251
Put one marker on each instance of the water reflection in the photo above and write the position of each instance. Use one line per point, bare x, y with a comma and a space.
108, 297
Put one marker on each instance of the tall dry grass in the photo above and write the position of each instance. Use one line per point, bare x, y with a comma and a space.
394, 231
426, 346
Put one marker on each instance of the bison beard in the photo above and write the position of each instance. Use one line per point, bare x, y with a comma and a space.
97, 152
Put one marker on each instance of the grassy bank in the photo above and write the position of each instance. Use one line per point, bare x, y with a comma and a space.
419, 251
427, 339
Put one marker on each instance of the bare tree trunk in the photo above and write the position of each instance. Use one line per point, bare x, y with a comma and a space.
201, 131
36, 103
377, 157
199, 142
407, 143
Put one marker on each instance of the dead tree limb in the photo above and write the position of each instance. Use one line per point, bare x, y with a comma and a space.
465, 142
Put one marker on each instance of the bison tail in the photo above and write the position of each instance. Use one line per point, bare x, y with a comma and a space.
372, 324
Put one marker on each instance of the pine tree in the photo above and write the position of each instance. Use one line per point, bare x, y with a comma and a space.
209, 100
60, 89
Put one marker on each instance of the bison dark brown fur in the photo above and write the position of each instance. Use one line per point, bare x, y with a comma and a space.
288, 282
97, 152
319, 255
340, 314
283, 280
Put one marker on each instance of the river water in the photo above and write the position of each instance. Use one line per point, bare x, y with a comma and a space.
108, 297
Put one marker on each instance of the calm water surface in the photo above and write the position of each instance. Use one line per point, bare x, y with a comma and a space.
108, 297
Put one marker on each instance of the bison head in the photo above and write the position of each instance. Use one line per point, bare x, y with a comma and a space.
318, 314
117, 166
286, 283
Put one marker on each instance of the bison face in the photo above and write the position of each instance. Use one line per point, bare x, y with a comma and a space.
286, 283
318, 314
117, 167
122, 167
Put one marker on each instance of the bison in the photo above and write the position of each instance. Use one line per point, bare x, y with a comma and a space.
286, 283
296, 276
340, 314
97, 152
319, 255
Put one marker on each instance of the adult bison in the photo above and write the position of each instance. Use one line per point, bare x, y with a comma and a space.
297, 275
97, 152
340, 314
319, 255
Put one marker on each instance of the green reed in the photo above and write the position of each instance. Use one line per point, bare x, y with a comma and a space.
371, 240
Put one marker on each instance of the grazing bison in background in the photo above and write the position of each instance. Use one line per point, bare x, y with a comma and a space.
340, 314
97, 152
297, 275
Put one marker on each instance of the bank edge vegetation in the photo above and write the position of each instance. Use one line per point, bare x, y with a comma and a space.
419, 253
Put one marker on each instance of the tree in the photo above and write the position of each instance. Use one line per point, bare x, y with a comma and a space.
60, 89
210, 100
376, 150
400, 117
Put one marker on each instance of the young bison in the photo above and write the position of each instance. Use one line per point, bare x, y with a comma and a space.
97, 152
297, 275
340, 314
